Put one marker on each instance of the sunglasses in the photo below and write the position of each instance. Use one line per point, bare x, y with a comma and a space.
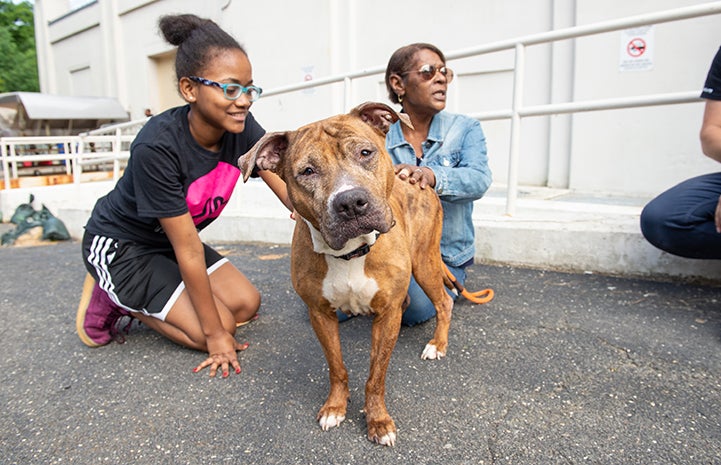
231, 91
428, 72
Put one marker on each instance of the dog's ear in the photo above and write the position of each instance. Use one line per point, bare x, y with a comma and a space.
265, 154
380, 115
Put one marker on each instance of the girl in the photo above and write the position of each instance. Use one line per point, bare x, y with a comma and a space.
141, 245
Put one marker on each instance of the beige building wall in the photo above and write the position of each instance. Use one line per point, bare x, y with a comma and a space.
162, 84
113, 48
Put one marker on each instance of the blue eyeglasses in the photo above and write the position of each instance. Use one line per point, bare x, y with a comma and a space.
231, 91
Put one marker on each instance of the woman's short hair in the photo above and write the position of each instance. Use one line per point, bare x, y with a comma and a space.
401, 61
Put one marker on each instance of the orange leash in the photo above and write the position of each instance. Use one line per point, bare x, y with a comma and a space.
479, 297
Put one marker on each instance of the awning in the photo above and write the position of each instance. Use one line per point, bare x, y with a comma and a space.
58, 107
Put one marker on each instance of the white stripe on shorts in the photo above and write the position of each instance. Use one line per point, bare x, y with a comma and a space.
176, 294
100, 258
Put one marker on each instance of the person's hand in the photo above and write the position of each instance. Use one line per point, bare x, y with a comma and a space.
415, 174
717, 216
222, 353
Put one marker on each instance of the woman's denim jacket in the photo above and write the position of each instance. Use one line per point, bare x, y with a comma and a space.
456, 152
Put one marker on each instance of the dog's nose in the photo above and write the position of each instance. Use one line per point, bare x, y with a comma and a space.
351, 204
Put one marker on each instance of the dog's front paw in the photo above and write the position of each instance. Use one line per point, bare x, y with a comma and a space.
388, 439
431, 352
382, 432
330, 420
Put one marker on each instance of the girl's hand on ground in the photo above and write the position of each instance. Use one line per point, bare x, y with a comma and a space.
222, 353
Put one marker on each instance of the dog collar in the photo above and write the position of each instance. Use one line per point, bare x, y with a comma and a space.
359, 252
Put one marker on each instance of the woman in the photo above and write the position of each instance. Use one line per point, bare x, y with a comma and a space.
443, 151
141, 245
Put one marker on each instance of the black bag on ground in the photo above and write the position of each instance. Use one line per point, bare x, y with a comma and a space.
23, 211
53, 228
26, 225
26, 218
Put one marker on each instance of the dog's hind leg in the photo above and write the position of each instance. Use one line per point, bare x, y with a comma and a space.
430, 279
325, 325
437, 347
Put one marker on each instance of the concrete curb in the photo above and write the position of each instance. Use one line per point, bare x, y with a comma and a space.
549, 230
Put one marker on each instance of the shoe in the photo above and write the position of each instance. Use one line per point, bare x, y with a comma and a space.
97, 317
343, 316
252, 319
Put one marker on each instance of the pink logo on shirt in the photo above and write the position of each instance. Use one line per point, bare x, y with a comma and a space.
208, 195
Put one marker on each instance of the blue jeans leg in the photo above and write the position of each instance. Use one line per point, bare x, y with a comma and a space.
342, 316
680, 221
421, 308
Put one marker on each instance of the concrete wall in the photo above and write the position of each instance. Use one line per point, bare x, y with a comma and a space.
112, 47
640, 151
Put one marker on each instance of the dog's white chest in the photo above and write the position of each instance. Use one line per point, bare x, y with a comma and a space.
347, 287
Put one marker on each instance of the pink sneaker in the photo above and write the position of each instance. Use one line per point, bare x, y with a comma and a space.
97, 317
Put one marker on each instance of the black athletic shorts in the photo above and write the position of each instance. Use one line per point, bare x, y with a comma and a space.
137, 277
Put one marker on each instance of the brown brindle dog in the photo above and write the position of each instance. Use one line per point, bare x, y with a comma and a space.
360, 234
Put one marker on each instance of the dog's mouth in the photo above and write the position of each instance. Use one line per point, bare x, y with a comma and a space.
338, 235
354, 213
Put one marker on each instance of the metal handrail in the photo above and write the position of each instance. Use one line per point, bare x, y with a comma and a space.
114, 128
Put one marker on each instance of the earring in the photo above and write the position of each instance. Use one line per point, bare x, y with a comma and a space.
400, 98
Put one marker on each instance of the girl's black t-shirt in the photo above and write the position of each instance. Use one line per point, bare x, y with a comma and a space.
168, 174
712, 87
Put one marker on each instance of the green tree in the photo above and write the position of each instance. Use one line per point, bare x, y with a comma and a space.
18, 58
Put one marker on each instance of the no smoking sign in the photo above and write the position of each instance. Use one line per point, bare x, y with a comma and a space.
636, 47
636, 51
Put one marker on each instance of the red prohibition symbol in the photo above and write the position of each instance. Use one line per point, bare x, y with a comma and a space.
636, 47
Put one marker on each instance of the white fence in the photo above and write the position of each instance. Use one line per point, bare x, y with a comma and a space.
78, 150
105, 149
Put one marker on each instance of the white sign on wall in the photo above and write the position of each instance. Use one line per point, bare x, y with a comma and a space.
636, 52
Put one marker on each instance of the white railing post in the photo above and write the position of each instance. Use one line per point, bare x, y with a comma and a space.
6, 165
518, 80
13, 161
117, 146
69, 151
77, 160
347, 93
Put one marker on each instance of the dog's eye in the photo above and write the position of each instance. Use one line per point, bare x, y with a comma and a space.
308, 171
365, 153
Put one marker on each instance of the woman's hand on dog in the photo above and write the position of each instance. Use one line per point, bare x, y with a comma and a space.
416, 175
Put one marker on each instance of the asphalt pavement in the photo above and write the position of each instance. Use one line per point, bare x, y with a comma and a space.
557, 369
